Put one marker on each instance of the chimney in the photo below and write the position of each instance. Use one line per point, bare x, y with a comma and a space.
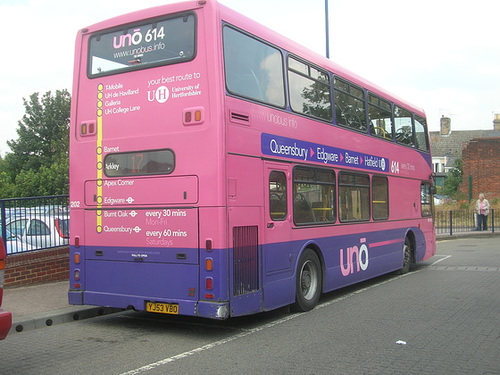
446, 125
496, 122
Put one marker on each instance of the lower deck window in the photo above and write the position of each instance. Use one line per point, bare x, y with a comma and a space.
314, 196
380, 198
426, 199
354, 197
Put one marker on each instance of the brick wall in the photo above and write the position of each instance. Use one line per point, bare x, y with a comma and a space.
37, 267
481, 160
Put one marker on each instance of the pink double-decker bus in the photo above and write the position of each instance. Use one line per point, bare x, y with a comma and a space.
218, 169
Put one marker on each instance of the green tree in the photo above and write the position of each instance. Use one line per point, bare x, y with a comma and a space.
7, 187
43, 132
38, 163
454, 179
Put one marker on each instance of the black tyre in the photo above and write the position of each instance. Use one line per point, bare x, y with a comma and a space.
407, 257
308, 281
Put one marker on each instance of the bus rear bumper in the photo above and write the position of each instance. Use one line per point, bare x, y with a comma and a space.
205, 309
213, 310
75, 297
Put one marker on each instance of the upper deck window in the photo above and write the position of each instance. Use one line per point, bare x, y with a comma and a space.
403, 125
166, 41
421, 134
380, 116
349, 105
309, 90
254, 69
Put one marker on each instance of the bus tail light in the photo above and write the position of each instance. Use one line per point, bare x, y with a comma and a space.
193, 116
208, 244
209, 264
209, 283
87, 128
77, 275
77, 258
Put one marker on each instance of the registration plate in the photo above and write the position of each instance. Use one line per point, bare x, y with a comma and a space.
162, 308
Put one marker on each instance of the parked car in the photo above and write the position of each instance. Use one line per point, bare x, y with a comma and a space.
41, 231
5, 316
53, 209
14, 244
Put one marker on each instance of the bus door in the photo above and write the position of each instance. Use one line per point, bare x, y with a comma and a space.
277, 257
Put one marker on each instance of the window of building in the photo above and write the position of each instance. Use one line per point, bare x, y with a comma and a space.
354, 197
314, 196
309, 90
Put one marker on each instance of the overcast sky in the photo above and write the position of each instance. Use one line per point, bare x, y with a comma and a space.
442, 55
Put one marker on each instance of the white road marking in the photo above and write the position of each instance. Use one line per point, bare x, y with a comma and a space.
249, 332
440, 260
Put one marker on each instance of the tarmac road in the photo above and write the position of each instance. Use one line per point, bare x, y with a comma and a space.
441, 318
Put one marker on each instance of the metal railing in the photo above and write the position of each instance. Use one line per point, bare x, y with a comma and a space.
460, 221
28, 224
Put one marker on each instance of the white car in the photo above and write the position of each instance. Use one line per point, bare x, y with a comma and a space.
14, 244
40, 231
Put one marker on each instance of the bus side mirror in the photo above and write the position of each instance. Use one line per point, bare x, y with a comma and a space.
433, 190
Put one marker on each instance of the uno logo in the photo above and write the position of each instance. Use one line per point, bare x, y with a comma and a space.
354, 254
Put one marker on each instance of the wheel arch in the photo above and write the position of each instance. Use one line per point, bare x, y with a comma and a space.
316, 248
413, 243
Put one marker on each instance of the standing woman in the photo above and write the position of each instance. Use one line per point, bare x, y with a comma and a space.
483, 210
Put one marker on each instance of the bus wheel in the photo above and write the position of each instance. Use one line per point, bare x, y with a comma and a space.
308, 283
407, 253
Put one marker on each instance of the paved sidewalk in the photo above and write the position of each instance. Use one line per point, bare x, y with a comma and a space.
34, 299
43, 305
470, 234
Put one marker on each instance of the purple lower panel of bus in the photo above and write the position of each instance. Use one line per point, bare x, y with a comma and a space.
347, 259
133, 284
263, 277
122, 278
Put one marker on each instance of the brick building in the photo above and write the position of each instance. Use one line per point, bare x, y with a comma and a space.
481, 161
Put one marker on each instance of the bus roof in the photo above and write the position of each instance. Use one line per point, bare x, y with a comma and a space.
237, 19
279, 40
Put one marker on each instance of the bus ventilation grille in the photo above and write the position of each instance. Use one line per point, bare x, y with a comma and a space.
245, 260
240, 118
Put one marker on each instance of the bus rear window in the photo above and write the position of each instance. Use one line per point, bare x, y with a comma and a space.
166, 41
139, 163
